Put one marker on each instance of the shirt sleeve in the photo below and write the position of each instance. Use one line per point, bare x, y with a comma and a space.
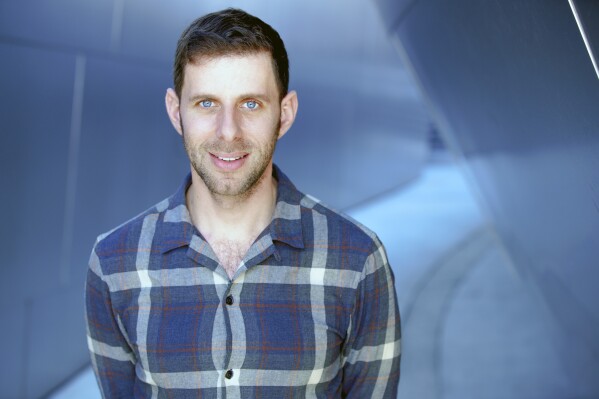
112, 358
371, 353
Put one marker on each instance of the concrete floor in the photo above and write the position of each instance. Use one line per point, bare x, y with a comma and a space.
471, 329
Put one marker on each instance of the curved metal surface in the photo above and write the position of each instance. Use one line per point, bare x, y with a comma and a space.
514, 91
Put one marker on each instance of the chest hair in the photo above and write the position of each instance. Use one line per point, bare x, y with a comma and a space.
230, 253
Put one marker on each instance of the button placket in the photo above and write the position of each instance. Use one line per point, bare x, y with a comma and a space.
234, 357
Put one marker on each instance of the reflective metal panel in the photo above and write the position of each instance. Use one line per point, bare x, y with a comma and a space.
587, 13
12, 345
34, 143
55, 338
65, 23
514, 91
130, 156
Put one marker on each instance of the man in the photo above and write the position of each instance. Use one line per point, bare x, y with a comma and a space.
238, 285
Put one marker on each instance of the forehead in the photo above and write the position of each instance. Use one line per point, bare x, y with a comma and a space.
230, 74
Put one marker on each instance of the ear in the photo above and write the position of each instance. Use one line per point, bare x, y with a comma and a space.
289, 106
172, 109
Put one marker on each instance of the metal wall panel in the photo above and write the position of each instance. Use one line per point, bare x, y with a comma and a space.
393, 11
130, 156
588, 11
515, 92
353, 132
57, 344
34, 144
151, 28
65, 23
13, 346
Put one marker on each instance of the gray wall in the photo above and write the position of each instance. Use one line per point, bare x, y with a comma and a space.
513, 89
86, 143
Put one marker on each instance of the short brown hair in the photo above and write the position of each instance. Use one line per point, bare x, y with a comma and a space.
230, 31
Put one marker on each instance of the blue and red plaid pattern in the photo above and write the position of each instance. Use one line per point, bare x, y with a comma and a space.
311, 312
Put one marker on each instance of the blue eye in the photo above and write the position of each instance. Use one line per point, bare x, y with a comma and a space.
206, 103
251, 104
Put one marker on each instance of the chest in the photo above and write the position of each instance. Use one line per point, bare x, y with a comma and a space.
273, 320
230, 253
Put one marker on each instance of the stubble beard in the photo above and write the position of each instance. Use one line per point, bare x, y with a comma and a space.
242, 186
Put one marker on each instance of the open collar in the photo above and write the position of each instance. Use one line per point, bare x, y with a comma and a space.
177, 230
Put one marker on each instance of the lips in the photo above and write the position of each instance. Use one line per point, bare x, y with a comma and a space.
229, 162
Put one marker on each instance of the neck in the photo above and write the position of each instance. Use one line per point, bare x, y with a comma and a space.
238, 218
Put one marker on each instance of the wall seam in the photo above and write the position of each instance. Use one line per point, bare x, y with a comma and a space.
584, 36
72, 169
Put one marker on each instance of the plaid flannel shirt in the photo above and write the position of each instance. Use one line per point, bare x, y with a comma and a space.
311, 311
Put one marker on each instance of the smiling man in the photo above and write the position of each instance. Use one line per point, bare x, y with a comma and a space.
239, 285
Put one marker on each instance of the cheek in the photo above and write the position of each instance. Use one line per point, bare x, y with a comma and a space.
258, 124
199, 126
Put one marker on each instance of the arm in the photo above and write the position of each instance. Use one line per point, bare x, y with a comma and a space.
112, 359
372, 348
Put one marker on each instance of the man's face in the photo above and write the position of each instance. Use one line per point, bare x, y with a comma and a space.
230, 117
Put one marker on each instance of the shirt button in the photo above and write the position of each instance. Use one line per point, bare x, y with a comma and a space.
229, 374
229, 300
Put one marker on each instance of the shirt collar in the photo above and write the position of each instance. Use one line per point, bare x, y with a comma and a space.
286, 224
177, 228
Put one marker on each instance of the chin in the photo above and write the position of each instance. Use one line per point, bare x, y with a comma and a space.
241, 186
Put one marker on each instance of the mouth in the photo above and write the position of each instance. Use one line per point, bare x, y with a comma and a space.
229, 159
229, 162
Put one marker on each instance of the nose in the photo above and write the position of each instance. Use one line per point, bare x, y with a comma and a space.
228, 128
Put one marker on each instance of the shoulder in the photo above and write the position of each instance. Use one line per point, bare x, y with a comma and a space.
123, 241
351, 246
342, 232
323, 226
